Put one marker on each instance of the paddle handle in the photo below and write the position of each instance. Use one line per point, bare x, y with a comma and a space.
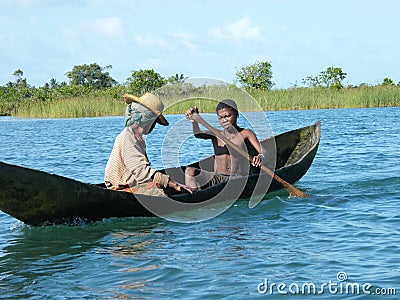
293, 191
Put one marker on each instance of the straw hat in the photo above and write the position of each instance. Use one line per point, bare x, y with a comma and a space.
151, 102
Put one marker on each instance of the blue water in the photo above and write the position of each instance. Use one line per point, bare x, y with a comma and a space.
350, 227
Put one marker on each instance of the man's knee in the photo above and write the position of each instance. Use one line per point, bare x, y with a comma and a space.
190, 171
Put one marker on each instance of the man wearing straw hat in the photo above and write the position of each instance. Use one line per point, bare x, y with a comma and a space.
128, 167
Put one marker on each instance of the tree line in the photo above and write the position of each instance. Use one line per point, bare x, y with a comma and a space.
89, 79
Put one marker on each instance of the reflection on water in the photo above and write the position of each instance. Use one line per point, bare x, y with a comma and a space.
351, 224
130, 243
38, 253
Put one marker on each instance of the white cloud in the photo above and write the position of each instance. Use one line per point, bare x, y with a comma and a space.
22, 4
239, 30
185, 39
112, 27
150, 41
84, 36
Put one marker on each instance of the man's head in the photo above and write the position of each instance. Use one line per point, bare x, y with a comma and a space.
144, 111
227, 113
230, 104
146, 105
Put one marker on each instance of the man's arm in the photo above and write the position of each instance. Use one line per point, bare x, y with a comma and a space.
262, 153
198, 133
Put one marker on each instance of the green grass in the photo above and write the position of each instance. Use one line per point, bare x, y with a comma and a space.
321, 98
207, 99
71, 108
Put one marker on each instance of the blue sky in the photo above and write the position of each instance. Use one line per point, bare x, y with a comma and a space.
213, 39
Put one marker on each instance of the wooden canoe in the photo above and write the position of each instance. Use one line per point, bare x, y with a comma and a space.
40, 198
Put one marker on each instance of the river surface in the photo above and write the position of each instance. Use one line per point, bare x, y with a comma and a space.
343, 240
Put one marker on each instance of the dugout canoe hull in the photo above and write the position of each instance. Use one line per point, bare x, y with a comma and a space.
38, 198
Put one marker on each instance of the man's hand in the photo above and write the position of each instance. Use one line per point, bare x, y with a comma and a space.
179, 187
258, 160
189, 113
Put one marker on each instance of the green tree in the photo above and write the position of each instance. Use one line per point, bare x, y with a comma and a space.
257, 76
177, 78
312, 81
332, 77
388, 81
143, 81
53, 83
91, 75
19, 81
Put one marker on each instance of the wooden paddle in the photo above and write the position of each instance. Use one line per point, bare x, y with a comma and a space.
290, 188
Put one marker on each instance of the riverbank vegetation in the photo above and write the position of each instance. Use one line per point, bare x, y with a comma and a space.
91, 91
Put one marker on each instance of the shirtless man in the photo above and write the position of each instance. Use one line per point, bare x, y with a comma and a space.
226, 164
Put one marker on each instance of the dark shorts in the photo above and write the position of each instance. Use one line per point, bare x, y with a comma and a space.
206, 178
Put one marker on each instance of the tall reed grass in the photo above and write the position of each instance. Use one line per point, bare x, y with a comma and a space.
71, 108
206, 100
321, 98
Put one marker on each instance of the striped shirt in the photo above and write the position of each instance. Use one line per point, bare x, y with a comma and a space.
128, 164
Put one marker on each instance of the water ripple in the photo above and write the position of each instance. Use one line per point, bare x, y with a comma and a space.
351, 224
